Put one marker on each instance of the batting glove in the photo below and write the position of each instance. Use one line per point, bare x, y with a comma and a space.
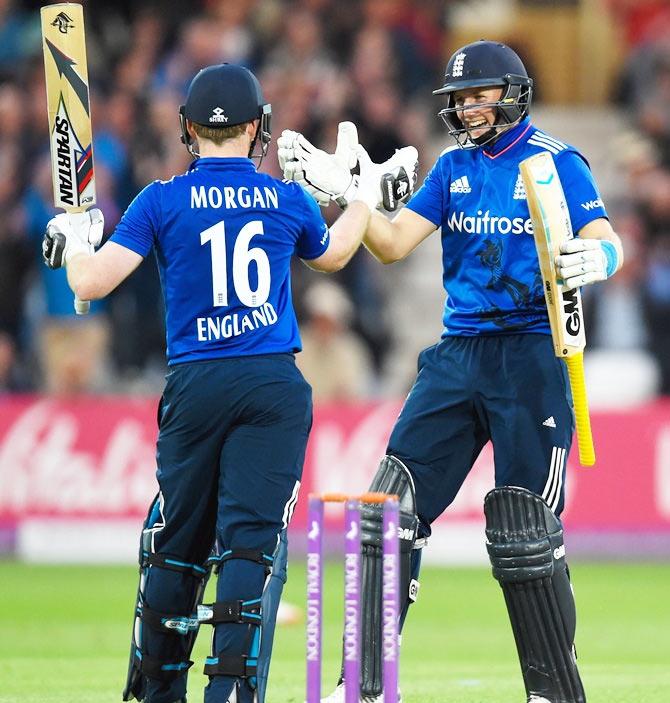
584, 261
325, 176
389, 183
69, 234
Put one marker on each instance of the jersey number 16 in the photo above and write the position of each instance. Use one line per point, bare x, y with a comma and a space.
243, 255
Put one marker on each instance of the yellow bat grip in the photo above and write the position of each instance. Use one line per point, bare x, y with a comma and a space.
587, 454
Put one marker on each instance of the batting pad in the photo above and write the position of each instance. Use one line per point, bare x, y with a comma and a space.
525, 545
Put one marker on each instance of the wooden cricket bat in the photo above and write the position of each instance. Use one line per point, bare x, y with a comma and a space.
551, 226
64, 46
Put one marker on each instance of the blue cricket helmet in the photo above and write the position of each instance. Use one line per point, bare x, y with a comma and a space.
226, 95
486, 64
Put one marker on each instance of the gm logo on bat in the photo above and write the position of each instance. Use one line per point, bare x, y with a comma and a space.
571, 312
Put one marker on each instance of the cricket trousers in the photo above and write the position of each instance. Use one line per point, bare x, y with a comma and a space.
231, 446
510, 389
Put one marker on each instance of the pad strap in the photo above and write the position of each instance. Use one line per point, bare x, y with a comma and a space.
167, 622
216, 561
241, 666
165, 561
240, 611
162, 670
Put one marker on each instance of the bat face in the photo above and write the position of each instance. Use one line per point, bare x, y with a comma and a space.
68, 106
551, 226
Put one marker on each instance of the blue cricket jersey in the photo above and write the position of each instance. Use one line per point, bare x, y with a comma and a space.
490, 266
224, 236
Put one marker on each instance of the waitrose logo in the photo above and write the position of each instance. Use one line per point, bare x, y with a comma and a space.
485, 223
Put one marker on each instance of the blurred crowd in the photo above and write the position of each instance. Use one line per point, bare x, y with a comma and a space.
634, 308
320, 61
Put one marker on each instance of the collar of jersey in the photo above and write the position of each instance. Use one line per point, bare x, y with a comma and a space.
508, 139
223, 163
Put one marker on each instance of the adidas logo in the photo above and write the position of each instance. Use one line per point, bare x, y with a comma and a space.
460, 185
550, 422
519, 190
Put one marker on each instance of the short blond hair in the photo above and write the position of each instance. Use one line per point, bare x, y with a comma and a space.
218, 135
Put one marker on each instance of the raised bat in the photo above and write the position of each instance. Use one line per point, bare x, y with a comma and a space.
64, 46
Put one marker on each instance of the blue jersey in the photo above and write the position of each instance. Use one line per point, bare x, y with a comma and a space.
490, 266
224, 236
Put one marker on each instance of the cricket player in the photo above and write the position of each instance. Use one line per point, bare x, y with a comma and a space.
236, 413
493, 375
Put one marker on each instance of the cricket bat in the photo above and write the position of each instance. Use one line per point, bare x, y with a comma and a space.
551, 226
64, 46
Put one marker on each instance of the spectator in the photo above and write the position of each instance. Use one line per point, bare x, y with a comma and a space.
199, 45
72, 349
234, 26
12, 376
615, 313
647, 270
334, 361
19, 36
321, 61
16, 253
639, 18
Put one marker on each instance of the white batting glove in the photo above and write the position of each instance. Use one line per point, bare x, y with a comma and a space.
287, 155
584, 261
325, 176
292, 168
69, 234
286, 149
294, 171
387, 183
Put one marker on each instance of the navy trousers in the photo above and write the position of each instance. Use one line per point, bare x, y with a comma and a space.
231, 446
510, 389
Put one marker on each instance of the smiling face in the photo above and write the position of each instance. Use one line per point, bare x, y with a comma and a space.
477, 115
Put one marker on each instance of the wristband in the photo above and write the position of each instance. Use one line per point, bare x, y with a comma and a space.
611, 256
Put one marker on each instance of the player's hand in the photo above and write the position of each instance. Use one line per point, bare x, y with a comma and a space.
325, 176
292, 167
389, 183
69, 234
584, 261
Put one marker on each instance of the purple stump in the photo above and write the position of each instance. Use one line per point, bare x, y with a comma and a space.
352, 600
390, 600
314, 597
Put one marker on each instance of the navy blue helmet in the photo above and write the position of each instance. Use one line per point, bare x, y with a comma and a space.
486, 64
223, 96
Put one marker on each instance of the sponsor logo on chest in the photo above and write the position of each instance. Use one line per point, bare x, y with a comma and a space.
486, 223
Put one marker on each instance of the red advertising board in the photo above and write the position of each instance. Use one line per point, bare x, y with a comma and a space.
93, 457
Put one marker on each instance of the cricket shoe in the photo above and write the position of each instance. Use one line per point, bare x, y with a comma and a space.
337, 696
538, 699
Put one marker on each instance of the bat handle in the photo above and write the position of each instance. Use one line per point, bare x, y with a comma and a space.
587, 454
81, 307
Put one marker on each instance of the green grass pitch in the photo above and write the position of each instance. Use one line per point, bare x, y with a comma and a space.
65, 636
